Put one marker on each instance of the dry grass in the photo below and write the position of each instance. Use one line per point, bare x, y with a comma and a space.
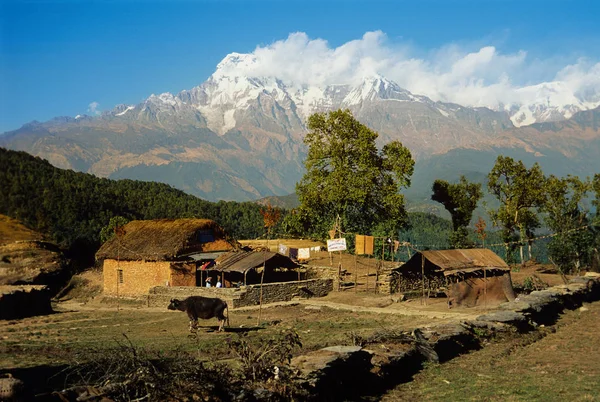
563, 365
12, 230
50, 339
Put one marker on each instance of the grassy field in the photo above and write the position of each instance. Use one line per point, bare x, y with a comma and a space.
563, 365
53, 339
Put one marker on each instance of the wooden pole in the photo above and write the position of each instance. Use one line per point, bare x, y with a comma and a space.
423, 277
339, 226
262, 277
118, 265
355, 273
484, 287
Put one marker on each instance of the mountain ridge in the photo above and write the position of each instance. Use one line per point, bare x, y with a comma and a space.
240, 138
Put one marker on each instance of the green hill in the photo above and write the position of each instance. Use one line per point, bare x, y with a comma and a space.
72, 207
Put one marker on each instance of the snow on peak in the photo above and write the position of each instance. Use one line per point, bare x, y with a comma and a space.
377, 87
547, 101
127, 109
235, 64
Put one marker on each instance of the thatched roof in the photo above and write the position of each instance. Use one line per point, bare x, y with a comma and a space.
456, 261
163, 240
242, 261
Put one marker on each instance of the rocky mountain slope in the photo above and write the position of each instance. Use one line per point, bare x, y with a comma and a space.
239, 137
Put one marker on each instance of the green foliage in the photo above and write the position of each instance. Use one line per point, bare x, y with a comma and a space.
426, 231
346, 176
74, 207
460, 199
595, 187
520, 191
528, 284
572, 247
108, 231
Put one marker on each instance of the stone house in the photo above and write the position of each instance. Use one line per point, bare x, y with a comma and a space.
165, 252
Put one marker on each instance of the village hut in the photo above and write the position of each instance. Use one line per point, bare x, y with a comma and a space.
468, 277
149, 253
243, 267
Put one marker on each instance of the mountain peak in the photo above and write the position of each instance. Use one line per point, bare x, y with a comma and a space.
236, 64
376, 87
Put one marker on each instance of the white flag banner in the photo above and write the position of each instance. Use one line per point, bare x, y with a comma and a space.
283, 249
303, 253
336, 244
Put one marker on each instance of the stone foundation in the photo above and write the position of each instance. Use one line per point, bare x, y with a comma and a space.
246, 295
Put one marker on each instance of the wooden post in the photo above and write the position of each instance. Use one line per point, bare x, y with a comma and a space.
262, 277
355, 273
423, 277
367, 278
484, 287
118, 263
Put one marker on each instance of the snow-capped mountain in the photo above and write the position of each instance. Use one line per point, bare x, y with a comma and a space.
549, 101
239, 134
220, 102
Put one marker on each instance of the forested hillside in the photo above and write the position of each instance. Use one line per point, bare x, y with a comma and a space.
73, 207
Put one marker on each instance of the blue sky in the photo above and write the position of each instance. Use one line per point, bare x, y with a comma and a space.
57, 57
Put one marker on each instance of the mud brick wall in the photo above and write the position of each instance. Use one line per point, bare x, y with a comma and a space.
138, 276
182, 275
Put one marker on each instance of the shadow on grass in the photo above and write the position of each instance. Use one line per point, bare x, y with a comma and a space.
231, 330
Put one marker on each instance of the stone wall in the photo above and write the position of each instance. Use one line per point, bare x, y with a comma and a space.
283, 291
323, 272
160, 296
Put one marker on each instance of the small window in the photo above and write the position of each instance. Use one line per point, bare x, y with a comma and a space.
120, 275
205, 236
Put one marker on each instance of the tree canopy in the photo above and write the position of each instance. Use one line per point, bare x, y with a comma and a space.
520, 191
347, 176
567, 218
73, 208
460, 199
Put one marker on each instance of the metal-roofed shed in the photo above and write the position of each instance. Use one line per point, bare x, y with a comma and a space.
246, 267
467, 276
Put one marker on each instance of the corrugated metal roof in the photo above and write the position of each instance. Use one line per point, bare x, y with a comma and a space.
465, 258
242, 261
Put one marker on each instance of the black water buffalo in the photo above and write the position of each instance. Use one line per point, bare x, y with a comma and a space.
201, 307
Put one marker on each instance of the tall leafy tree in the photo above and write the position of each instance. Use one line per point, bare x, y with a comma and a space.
566, 216
520, 191
347, 176
595, 187
460, 199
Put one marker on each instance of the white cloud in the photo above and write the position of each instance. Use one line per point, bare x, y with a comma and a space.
94, 108
482, 76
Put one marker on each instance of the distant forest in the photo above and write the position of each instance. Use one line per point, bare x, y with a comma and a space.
72, 208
